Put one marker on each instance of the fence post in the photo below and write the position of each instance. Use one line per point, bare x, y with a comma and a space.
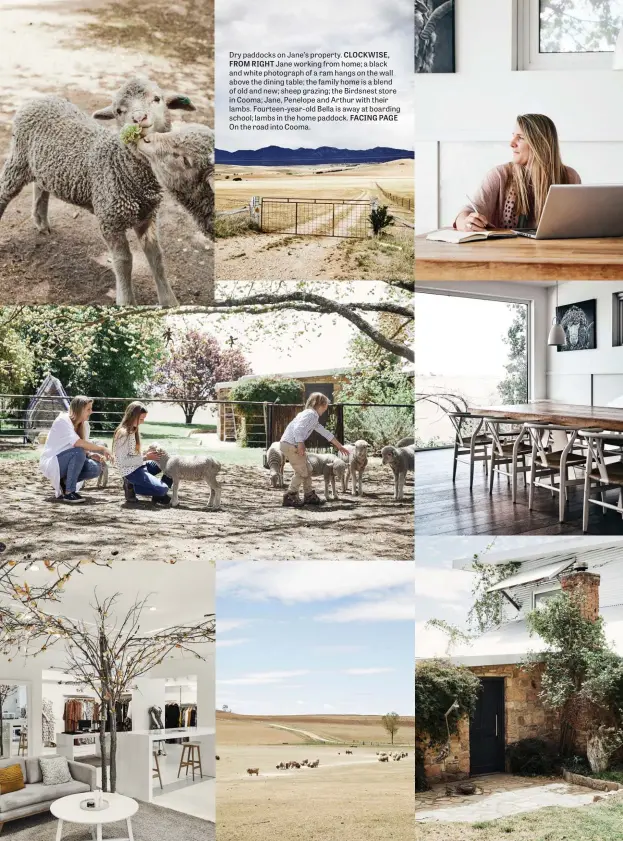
333, 221
339, 427
296, 217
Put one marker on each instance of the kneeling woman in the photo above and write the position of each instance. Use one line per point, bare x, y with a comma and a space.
513, 195
140, 474
68, 456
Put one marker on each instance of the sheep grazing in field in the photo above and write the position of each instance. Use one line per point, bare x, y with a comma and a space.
189, 468
305, 762
65, 153
251, 771
330, 468
357, 461
280, 767
183, 161
314, 764
349, 751
383, 758
401, 460
275, 461
217, 757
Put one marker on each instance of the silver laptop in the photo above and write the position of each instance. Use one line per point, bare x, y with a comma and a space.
574, 211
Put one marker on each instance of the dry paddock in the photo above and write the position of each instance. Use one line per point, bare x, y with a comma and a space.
347, 798
251, 524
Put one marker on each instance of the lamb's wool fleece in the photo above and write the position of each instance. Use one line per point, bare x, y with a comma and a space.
401, 460
357, 461
183, 161
276, 462
192, 468
330, 467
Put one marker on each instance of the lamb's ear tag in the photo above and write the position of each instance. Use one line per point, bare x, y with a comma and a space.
185, 100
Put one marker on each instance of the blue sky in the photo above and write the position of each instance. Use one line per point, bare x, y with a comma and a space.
315, 637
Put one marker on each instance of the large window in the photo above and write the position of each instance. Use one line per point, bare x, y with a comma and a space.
568, 34
469, 353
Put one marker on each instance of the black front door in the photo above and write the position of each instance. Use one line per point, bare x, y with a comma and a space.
486, 729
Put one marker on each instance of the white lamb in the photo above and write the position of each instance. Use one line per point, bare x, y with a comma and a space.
102, 479
357, 461
191, 468
275, 461
330, 468
401, 460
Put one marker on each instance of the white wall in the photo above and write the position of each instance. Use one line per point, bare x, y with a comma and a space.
569, 373
149, 692
464, 120
530, 293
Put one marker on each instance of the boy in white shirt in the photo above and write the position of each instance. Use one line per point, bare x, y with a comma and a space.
292, 445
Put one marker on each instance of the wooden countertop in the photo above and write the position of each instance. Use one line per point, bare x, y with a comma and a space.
563, 414
520, 258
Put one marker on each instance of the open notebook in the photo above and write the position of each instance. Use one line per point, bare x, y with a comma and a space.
457, 237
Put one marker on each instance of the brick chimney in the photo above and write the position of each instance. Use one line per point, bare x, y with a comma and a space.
583, 586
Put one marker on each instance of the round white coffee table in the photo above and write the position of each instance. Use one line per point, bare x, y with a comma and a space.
68, 810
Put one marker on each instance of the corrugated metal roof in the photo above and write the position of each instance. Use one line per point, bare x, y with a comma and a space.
529, 576
541, 554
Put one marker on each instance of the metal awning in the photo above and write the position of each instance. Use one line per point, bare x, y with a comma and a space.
529, 576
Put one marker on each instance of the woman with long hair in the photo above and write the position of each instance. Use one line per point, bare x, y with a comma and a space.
139, 472
68, 456
513, 195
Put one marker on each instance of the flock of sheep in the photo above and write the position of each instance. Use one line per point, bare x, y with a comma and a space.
344, 470
68, 154
286, 766
396, 757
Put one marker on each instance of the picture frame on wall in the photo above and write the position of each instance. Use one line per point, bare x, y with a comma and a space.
434, 47
580, 325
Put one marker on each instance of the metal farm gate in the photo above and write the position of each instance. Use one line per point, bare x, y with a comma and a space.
316, 217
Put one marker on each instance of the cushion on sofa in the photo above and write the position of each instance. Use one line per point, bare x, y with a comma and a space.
11, 779
4, 763
39, 793
33, 770
55, 770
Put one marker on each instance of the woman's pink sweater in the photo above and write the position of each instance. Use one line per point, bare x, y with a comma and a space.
497, 201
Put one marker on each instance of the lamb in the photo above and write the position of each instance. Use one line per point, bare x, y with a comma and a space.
183, 161
251, 771
192, 468
275, 461
66, 154
356, 461
401, 460
102, 479
330, 467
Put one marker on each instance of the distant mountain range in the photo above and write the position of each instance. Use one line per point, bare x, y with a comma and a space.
279, 156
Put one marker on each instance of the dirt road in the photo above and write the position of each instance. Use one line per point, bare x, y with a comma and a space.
85, 54
251, 524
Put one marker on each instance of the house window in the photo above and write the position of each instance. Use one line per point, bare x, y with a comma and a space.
617, 319
567, 34
544, 594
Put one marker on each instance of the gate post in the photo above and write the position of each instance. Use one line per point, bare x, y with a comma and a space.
296, 217
339, 426
333, 221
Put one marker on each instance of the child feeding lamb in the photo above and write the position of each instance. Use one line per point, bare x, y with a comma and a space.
139, 472
292, 446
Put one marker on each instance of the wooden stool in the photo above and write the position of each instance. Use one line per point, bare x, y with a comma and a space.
189, 759
22, 750
156, 770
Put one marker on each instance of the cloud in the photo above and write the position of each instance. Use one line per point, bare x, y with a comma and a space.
391, 609
430, 642
371, 671
223, 626
260, 678
299, 581
444, 585
231, 643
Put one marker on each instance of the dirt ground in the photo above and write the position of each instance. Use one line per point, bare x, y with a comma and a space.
61, 47
347, 798
251, 523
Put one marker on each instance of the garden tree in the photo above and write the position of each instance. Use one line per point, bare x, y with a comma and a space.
194, 364
391, 723
444, 694
486, 610
514, 387
16, 359
107, 654
582, 677
6, 692
569, 25
91, 350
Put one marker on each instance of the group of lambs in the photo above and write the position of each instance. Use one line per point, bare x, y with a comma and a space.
396, 757
285, 766
118, 176
346, 469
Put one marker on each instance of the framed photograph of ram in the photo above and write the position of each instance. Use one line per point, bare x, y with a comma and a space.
580, 325
434, 36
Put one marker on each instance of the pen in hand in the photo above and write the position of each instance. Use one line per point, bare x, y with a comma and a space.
472, 204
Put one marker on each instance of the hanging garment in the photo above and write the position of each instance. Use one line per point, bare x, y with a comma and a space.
172, 715
47, 722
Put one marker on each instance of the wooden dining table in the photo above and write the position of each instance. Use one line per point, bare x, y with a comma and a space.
520, 258
568, 415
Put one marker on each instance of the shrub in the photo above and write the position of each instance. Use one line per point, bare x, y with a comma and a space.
380, 218
533, 758
264, 390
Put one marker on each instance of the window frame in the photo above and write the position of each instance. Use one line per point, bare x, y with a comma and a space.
553, 587
530, 58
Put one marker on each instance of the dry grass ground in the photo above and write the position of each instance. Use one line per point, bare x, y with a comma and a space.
347, 798
251, 523
253, 255
84, 54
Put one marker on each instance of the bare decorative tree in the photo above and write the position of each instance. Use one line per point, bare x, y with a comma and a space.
107, 654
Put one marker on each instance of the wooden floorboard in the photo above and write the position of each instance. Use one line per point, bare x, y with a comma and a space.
446, 508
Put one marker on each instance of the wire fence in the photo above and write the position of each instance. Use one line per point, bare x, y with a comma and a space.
25, 419
399, 201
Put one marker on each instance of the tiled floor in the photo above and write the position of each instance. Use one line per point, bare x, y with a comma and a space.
498, 796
